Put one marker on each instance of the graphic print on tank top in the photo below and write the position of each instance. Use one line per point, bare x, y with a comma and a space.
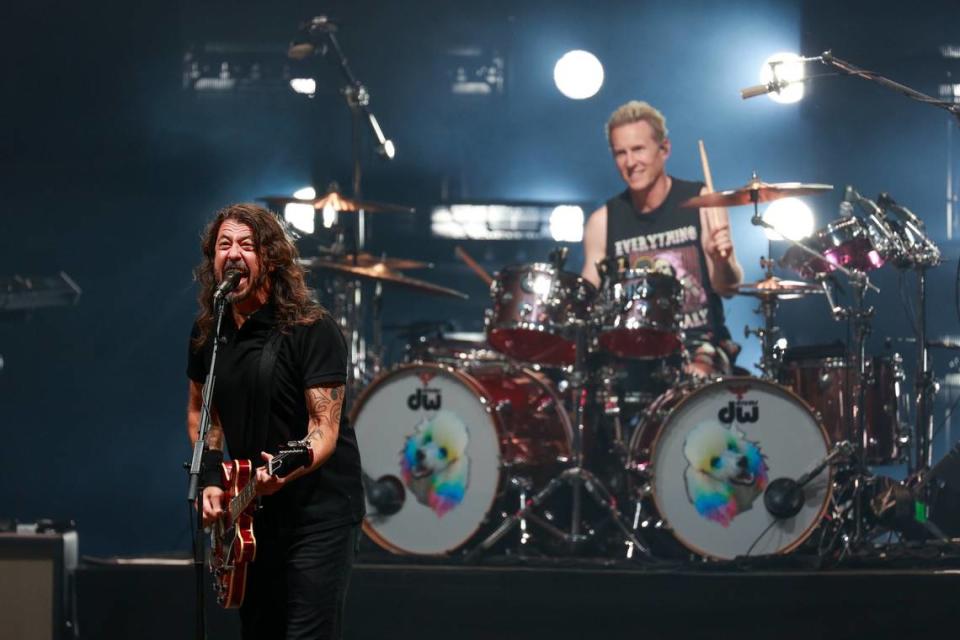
667, 240
674, 253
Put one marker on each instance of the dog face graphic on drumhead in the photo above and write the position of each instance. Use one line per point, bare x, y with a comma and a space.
434, 462
726, 472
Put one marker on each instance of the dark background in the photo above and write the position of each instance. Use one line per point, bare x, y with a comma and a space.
111, 168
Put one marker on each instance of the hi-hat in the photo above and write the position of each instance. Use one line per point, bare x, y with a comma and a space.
338, 202
755, 191
776, 288
364, 259
382, 273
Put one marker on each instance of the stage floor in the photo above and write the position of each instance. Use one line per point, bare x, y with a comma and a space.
509, 598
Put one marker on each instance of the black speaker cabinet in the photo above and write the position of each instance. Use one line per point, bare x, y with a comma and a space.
33, 590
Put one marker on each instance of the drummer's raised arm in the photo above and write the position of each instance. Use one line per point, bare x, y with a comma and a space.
594, 245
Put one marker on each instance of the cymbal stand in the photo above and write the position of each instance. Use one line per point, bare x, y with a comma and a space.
357, 97
577, 477
770, 354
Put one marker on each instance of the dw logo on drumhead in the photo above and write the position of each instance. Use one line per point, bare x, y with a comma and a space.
426, 398
741, 411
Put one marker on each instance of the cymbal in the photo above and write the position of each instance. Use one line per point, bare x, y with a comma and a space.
338, 202
781, 289
364, 259
755, 190
382, 273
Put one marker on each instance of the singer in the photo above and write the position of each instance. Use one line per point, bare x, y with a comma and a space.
644, 228
307, 529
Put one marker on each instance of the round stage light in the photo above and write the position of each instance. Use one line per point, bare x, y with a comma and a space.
578, 74
785, 67
305, 86
301, 216
566, 223
791, 218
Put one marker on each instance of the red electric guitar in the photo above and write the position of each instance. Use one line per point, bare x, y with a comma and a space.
232, 542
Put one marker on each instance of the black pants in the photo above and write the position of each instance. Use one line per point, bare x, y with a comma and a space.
297, 586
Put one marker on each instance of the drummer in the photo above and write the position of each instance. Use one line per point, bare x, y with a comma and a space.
644, 227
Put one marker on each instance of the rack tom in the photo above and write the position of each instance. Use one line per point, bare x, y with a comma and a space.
537, 309
640, 314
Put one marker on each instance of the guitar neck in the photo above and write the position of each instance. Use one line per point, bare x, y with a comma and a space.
244, 497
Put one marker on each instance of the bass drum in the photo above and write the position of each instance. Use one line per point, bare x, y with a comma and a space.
449, 436
705, 454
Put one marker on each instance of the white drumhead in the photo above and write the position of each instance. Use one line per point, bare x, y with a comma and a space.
439, 413
718, 450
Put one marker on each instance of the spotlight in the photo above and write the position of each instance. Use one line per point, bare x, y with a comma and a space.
306, 86
784, 67
301, 216
578, 74
790, 217
566, 223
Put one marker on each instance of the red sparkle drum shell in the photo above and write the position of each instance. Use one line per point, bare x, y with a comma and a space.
640, 314
829, 386
536, 308
716, 510
487, 418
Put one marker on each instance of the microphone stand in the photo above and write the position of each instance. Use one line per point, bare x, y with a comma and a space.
358, 101
849, 69
196, 470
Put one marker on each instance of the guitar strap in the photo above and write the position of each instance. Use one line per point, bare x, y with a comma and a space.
268, 361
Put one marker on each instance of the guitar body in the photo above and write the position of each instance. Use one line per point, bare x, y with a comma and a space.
234, 545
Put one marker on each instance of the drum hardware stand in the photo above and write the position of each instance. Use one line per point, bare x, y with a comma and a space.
771, 355
860, 315
316, 33
579, 478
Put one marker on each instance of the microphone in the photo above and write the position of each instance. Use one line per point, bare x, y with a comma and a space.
774, 86
386, 495
784, 497
230, 281
308, 43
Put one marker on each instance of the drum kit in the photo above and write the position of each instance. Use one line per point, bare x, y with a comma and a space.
530, 438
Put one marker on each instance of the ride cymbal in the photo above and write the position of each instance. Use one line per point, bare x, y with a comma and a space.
755, 191
382, 273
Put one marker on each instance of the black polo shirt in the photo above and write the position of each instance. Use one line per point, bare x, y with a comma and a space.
307, 356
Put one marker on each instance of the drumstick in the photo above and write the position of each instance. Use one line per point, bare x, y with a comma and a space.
477, 269
713, 216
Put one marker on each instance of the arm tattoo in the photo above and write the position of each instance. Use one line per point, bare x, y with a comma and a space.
325, 405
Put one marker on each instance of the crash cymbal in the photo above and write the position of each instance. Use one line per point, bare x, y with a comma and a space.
339, 202
755, 191
380, 272
776, 288
364, 259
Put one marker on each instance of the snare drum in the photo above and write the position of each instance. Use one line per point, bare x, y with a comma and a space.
455, 349
448, 436
705, 454
536, 309
640, 314
829, 385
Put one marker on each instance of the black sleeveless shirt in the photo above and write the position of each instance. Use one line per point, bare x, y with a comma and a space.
668, 240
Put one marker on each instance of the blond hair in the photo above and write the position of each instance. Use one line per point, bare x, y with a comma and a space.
638, 111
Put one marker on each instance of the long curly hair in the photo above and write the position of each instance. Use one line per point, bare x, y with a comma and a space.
278, 262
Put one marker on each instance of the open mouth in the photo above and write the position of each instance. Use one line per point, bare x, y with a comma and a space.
744, 479
420, 472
